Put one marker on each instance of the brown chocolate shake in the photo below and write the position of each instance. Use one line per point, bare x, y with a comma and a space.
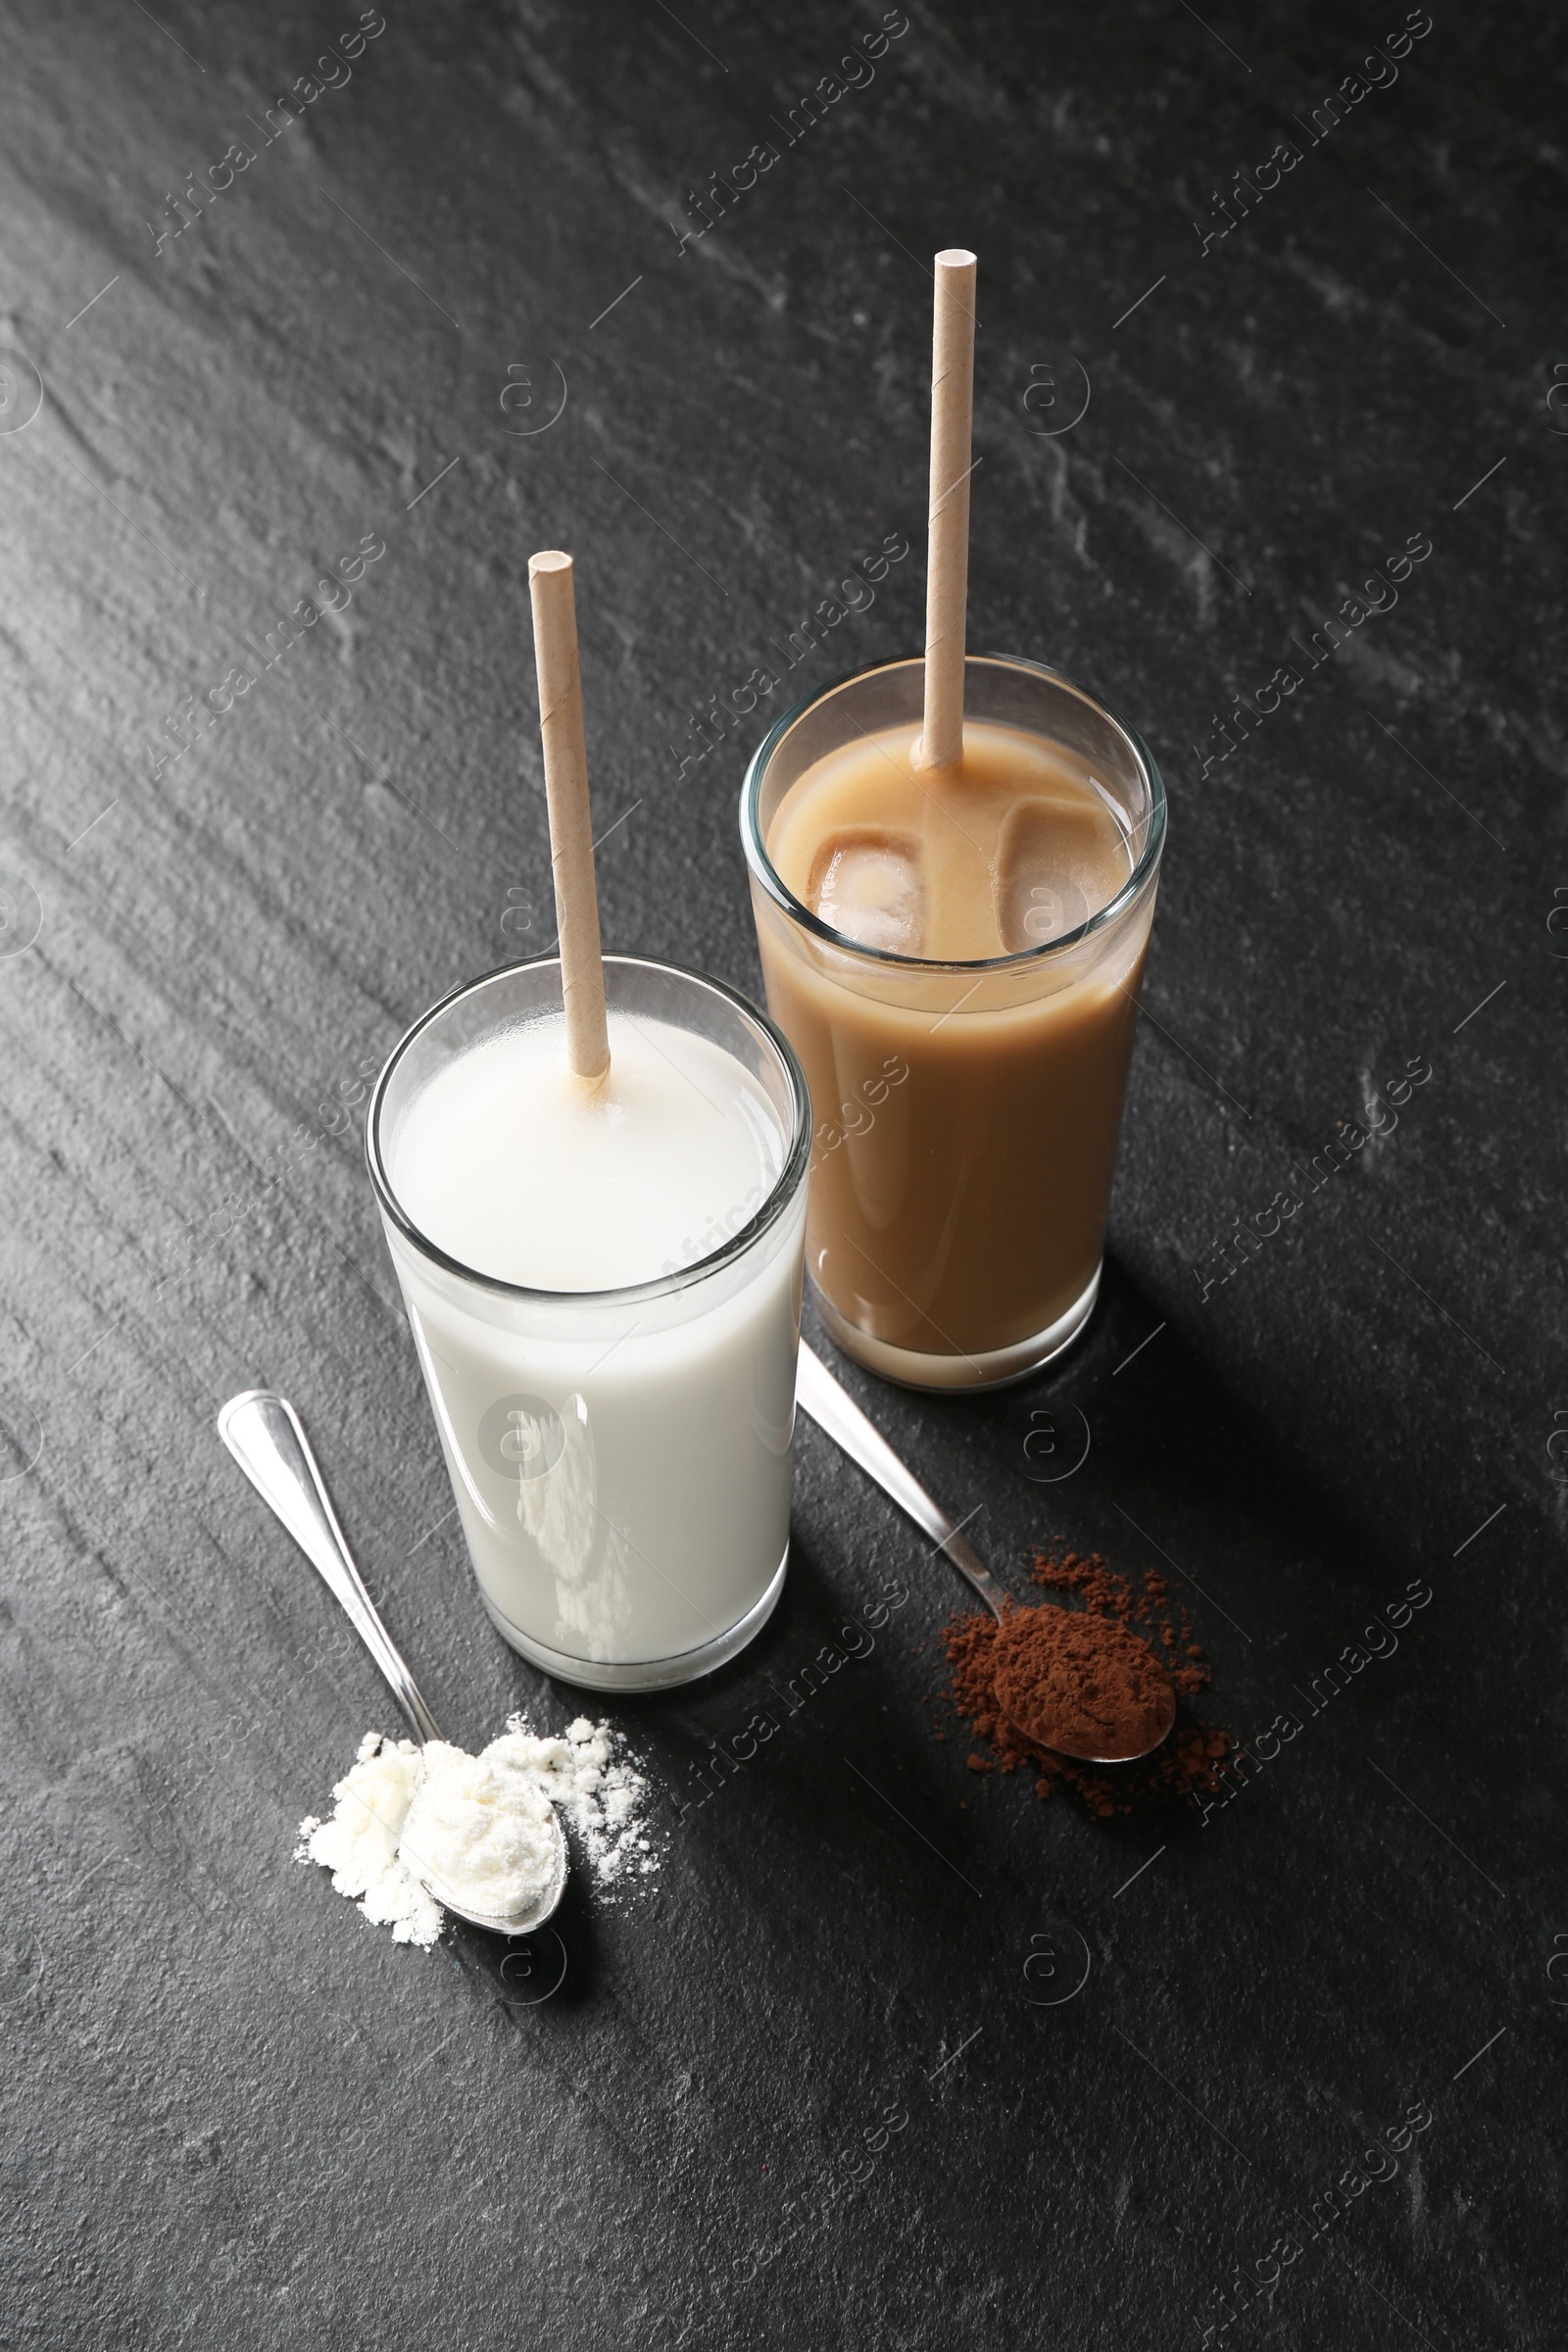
966, 1118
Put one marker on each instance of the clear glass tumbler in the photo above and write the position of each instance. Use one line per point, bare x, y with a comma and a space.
968, 1114
620, 1459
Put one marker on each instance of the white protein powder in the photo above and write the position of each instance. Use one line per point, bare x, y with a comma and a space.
601, 1793
486, 1837
479, 1824
358, 1846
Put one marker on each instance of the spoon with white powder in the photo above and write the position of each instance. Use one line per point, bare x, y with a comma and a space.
478, 1835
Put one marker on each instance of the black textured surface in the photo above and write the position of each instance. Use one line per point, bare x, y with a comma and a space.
234, 2113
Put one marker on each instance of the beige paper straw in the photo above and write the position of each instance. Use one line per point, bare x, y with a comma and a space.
571, 839
947, 584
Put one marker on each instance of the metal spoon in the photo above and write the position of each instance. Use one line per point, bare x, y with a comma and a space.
262, 1432
835, 1410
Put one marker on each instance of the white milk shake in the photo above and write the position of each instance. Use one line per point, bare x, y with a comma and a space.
621, 1462
533, 1176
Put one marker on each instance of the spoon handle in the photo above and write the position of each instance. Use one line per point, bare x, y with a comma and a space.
262, 1432
834, 1409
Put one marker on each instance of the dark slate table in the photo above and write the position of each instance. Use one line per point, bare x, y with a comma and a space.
439, 312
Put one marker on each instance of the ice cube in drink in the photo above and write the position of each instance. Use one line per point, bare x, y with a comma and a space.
1052, 870
869, 884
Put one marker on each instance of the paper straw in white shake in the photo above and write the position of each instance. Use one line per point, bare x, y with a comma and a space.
571, 838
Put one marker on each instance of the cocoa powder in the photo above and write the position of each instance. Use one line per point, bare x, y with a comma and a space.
1190, 1759
1080, 1682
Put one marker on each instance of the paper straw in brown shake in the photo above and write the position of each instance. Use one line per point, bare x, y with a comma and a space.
948, 557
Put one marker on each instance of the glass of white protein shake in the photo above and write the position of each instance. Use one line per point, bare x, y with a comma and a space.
603, 1287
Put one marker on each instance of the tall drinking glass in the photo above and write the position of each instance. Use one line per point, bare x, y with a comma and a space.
966, 1111
620, 1458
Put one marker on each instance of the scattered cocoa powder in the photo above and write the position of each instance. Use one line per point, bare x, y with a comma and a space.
1190, 1759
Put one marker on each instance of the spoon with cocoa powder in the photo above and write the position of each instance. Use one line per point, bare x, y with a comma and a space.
1080, 1685
1072, 1682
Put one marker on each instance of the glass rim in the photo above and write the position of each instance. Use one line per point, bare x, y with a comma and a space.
784, 1190
777, 889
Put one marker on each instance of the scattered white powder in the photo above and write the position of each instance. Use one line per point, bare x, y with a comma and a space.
358, 1846
479, 1823
482, 1833
600, 1791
